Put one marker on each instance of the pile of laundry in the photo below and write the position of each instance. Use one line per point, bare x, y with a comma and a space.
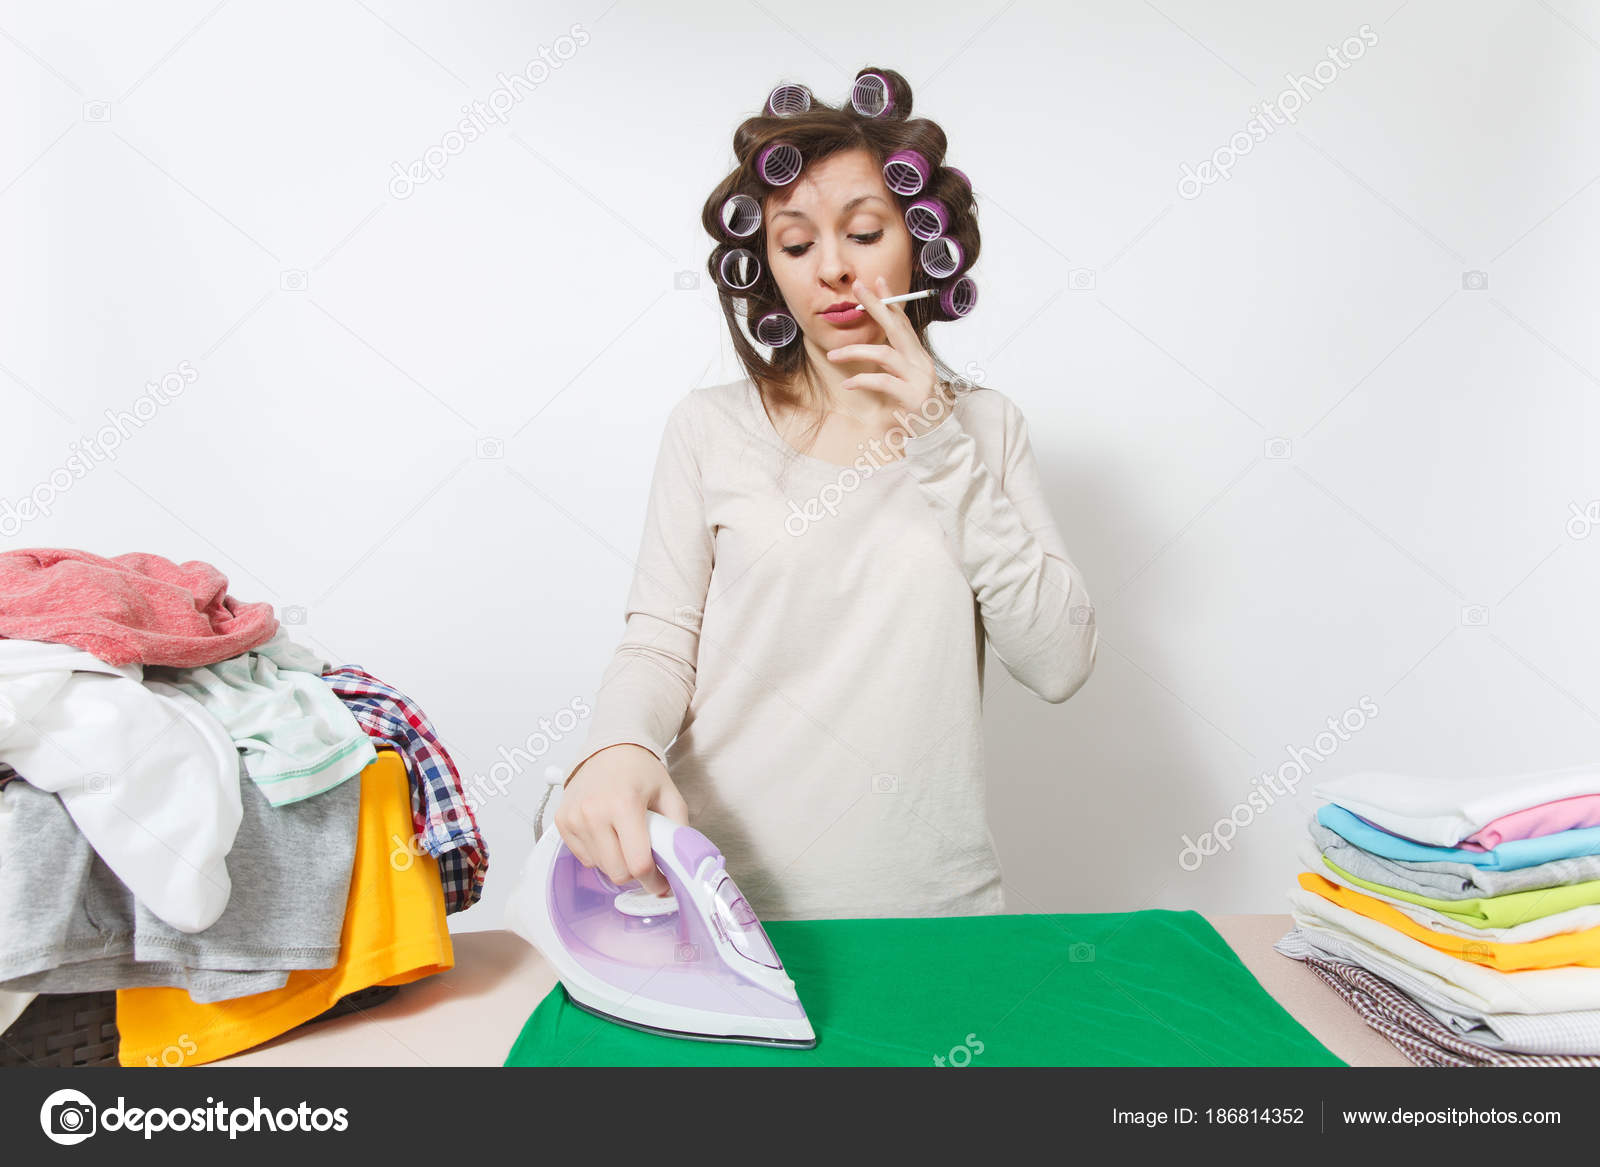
204, 815
1460, 918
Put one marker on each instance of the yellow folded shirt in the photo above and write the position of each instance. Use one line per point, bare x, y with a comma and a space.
394, 933
1566, 948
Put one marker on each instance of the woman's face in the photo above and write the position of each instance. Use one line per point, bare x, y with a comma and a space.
835, 224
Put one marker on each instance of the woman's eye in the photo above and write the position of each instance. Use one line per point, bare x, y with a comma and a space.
800, 249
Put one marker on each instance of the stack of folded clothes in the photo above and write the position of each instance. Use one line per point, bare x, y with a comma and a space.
178, 820
1460, 918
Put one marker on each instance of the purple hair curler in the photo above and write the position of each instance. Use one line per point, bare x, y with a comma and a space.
871, 96
962, 175
788, 100
941, 257
927, 219
959, 298
739, 263
906, 172
776, 329
741, 216
780, 164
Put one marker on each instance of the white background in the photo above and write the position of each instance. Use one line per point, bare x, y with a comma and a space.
165, 172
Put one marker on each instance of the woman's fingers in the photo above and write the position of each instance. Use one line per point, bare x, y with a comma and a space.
670, 803
895, 324
882, 382
604, 848
633, 833
881, 353
577, 840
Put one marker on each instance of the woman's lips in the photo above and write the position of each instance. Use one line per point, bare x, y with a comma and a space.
852, 315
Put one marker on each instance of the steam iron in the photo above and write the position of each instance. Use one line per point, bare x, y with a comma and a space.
695, 964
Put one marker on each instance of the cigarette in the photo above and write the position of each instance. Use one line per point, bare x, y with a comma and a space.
909, 296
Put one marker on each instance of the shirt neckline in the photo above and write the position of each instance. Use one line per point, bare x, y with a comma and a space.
872, 470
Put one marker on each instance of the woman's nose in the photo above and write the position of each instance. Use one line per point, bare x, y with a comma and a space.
834, 270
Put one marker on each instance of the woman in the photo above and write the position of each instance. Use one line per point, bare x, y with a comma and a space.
828, 543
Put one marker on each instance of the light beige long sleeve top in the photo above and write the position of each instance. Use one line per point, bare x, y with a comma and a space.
804, 650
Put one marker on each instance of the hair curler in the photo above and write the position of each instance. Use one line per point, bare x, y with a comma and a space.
927, 219
962, 175
941, 257
959, 298
739, 264
780, 164
871, 96
788, 100
906, 172
776, 329
741, 216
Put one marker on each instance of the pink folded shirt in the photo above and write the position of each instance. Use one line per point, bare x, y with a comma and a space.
1564, 814
130, 609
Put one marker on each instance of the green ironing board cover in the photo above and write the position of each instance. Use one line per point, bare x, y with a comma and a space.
1151, 988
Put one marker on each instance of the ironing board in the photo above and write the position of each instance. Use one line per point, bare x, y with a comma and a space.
1149, 988
471, 1015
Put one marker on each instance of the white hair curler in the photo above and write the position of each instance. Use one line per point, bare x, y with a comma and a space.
941, 257
780, 164
927, 219
776, 329
738, 264
788, 100
741, 216
871, 96
906, 172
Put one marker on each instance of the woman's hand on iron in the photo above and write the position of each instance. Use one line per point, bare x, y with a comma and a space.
601, 815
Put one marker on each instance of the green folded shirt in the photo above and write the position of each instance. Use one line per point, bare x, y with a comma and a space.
1505, 911
1152, 988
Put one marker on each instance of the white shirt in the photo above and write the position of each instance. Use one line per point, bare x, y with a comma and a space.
804, 650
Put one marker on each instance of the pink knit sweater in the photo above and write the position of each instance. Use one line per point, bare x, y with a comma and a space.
130, 609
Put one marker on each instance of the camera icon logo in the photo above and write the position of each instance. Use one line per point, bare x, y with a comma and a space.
67, 1117
685, 281
1082, 614
294, 614
1081, 953
97, 111
686, 953
1081, 279
1474, 615
293, 280
1474, 281
491, 448
97, 783
1278, 449
885, 784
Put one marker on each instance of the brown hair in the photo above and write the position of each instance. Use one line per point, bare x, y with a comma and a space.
818, 132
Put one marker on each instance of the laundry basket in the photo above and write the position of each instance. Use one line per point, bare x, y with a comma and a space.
80, 1029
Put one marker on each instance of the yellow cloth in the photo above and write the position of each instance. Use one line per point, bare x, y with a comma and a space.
1566, 948
394, 933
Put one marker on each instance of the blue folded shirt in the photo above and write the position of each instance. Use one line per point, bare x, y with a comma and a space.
1508, 856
